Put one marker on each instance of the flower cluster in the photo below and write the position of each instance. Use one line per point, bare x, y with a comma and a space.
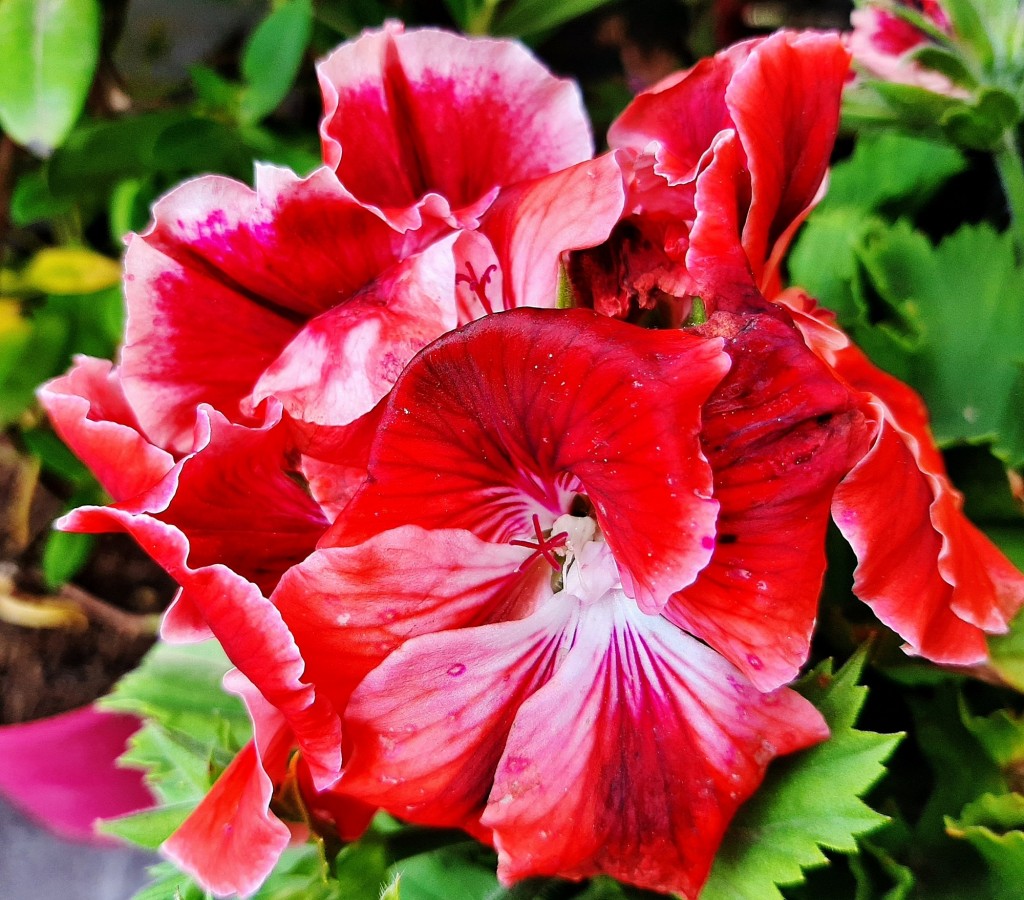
482, 560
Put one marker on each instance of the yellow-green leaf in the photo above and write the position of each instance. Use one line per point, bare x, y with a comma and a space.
71, 270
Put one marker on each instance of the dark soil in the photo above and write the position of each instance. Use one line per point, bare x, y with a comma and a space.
112, 606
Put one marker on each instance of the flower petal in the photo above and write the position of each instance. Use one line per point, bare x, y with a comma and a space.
428, 725
533, 224
512, 415
224, 266
785, 102
349, 607
346, 359
427, 112
780, 431
232, 504
232, 841
89, 411
633, 758
926, 571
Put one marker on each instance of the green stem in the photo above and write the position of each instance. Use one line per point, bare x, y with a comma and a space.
480, 22
1011, 174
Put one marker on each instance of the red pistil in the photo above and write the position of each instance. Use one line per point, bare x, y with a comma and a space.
478, 285
543, 546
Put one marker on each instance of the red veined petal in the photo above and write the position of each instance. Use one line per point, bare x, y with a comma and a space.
513, 414
428, 726
231, 842
183, 622
533, 224
785, 101
232, 501
633, 758
349, 607
780, 431
426, 112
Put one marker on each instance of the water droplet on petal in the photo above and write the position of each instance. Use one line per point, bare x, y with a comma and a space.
456, 670
755, 661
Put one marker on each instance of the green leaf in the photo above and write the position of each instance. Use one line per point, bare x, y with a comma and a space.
992, 826
150, 828
49, 49
272, 56
34, 357
969, 295
32, 201
64, 555
98, 155
891, 172
465, 870
807, 801
946, 62
527, 17
982, 124
179, 687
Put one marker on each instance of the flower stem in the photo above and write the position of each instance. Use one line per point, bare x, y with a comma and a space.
1011, 174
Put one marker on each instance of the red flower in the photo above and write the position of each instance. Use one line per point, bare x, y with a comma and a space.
724, 161
478, 693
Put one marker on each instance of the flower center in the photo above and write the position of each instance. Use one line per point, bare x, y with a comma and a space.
543, 546
478, 285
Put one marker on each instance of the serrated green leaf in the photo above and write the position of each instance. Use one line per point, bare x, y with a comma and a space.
272, 56
527, 17
969, 292
49, 49
807, 801
178, 686
150, 828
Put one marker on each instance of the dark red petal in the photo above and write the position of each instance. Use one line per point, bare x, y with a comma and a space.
225, 268
513, 414
633, 758
429, 112
779, 431
349, 607
428, 726
88, 409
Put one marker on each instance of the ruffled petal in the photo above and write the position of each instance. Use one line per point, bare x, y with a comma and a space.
88, 409
532, 225
346, 359
513, 415
785, 101
633, 758
428, 725
232, 502
412, 114
224, 266
349, 607
780, 431
924, 569
232, 841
